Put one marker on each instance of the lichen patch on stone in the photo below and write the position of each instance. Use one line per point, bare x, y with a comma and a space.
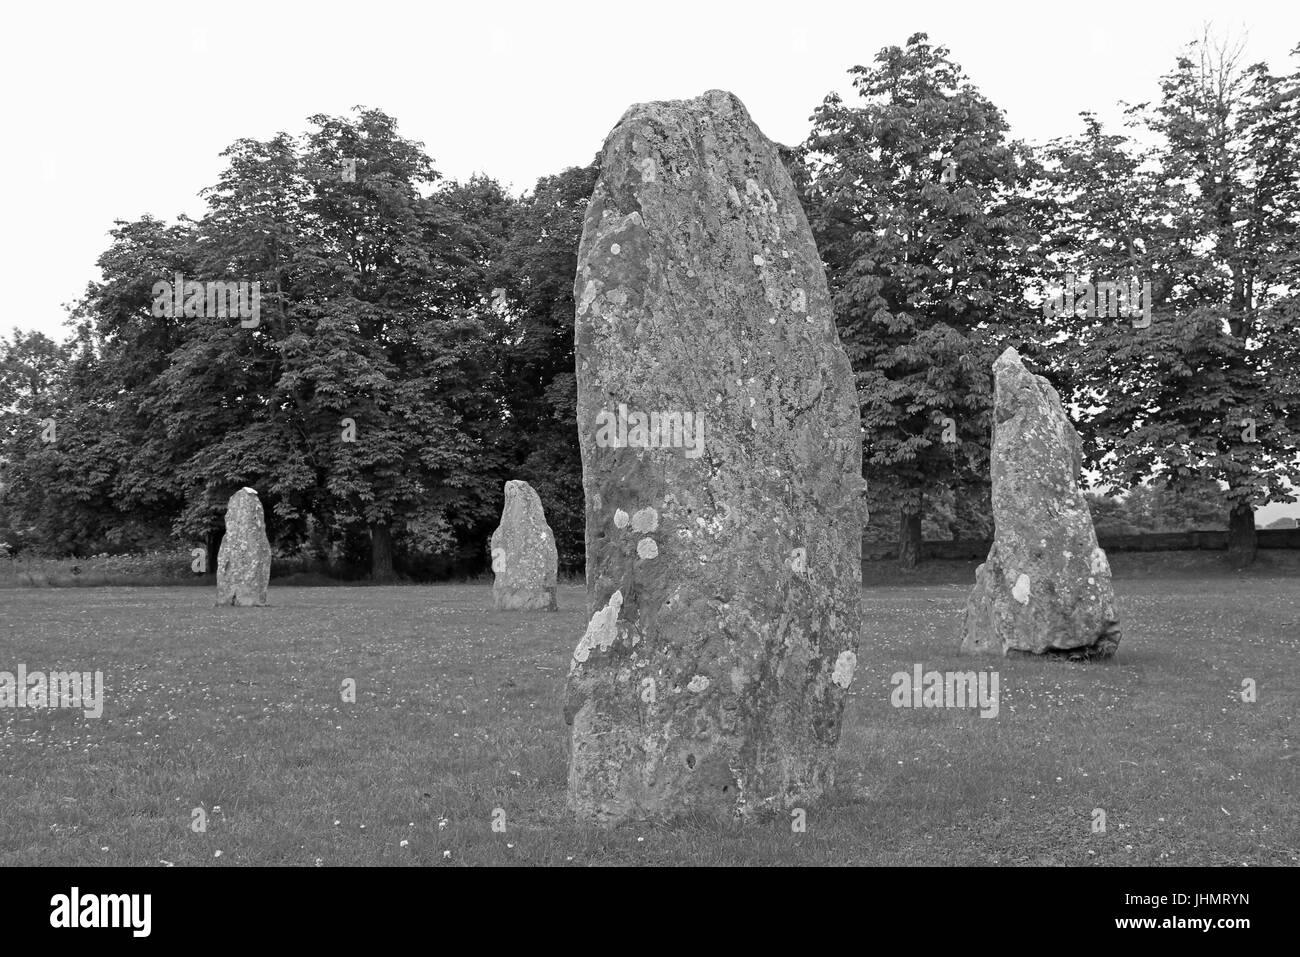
645, 520
845, 665
602, 630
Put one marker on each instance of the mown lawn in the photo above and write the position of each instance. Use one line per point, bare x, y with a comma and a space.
239, 712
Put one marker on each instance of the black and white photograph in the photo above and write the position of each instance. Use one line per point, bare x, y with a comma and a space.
693, 435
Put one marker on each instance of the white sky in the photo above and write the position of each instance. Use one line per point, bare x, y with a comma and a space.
119, 109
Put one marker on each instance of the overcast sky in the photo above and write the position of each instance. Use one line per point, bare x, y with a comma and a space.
115, 110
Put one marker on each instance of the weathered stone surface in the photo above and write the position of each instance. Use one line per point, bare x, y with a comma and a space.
1045, 587
723, 529
244, 559
524, 558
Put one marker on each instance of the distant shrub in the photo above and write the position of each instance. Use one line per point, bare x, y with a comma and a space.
145, 568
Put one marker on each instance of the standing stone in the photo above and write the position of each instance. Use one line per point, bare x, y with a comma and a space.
524, 558
721, 451
244, 559
1045, 588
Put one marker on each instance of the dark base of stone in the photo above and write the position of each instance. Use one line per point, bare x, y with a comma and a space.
524, 599
241, 600
1102, 650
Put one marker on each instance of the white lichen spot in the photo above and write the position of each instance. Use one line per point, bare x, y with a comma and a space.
845, 665
800, 301
758, 260
1099, 564
620, 519
601, 631
698, 684
1020, 591
646, 548
648, 170
645, 520
615, 248
798, 560
733, 195
589, 293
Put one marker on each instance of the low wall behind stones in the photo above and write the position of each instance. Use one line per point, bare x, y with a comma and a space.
1147, 542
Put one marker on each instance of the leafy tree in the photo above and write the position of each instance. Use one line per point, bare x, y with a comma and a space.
1208, 216
535, 342
1108, 515
371, 309
921, 212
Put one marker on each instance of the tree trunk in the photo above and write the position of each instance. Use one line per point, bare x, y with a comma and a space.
381, 553
1241, 536
909, 535
213, 546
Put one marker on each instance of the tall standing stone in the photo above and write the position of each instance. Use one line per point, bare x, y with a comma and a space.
1045, 587
524, 558
244, 559
721, 451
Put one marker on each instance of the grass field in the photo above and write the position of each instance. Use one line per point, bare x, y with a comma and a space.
238, 711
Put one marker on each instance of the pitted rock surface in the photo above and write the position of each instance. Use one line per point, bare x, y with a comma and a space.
1045, 588
721, 449
524, 557
244, 558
